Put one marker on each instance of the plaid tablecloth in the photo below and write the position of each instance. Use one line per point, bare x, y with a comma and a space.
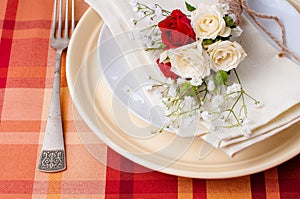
26, 75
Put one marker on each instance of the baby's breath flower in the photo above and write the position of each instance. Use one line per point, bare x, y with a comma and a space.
232, 16
170, 81
189, 103
173, 90
148, 87
167, 121
158, 11
206, 116
233, 90
150, 20
236, 32
180, 80
211, 85
196, 81
259, 105
217, 101
132, 22
134, 5
140, 14
245, 128
224, 8
147, 42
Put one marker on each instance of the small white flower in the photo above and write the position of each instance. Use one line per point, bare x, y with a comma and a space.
217, 101
133, 3
206, 116
152, 6
246, 131
189, 102
259, 105
147, 42
167, 121
140, 14
187, 121
236, 32
135, 9
132, 22
224, 8
211, 85
180, 80
208, 96
233, 90
163, 103
173, 90
170, 81
196, 81
148, 87
158, 11
163, 56
232, 16
245, 128
245, 121
150, 20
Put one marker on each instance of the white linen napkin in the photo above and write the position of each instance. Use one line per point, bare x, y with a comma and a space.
274, 81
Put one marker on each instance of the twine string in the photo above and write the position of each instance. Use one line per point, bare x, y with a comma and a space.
236, 7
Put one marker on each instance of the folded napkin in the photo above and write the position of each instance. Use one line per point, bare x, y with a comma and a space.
274, 81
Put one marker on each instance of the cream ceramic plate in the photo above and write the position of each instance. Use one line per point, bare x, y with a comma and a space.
163, 152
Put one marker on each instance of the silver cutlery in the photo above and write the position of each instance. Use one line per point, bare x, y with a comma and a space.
52, 157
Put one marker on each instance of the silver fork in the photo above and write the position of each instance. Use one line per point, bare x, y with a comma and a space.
52, 157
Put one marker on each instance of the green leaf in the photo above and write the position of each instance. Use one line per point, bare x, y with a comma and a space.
187, 90
189, 7
207, 42
229, 21
161, 46
219, 38
220, 77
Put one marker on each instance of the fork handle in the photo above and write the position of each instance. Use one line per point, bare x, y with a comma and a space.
52, 157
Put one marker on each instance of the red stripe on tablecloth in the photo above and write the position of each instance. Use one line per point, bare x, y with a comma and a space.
258, 189
112, 173
16, 186
6, 43
121, 184
20, 25
199, 188
155, 185
126, 178
6, 38
288, 177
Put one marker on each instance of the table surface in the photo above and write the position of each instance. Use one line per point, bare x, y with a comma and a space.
26, 76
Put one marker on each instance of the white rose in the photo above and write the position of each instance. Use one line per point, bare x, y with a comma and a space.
190, 61
208, 22
225, 55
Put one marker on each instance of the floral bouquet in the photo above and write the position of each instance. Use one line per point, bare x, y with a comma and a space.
198, 55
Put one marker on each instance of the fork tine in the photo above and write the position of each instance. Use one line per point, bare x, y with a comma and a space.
67, 19
53, 20
60, 19
73, 16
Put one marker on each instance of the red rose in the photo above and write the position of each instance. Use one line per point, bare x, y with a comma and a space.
165, 68
176, 30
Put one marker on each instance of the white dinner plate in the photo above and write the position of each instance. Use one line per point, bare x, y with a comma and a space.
111, 121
